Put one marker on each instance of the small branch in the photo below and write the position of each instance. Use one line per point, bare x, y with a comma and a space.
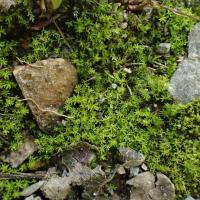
31, 65
45, 110
155, 4
28, 176
61, 33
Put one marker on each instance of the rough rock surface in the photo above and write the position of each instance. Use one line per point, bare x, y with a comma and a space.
185, 82
164, 189
17, 157
46, 83
6, 4
145, 187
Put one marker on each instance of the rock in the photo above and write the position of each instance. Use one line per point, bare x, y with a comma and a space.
32, 197
144, 167
164, 48
6, 4
121, 171
129, 156
17, 157
192, 3
31, 189
189, 198
124, 25
142, 183
164, 189
194, 42
57, 188
114, 86
185, 82
46, 83
134, 171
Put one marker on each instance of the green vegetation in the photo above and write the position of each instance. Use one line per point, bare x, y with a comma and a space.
138, 113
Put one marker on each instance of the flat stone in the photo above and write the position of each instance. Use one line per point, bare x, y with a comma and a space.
189, 198
15, 158
134, 171
164, 189
6, 4
194, 42
47, 83
185, 82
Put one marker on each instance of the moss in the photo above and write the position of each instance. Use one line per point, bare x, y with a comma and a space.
138, 113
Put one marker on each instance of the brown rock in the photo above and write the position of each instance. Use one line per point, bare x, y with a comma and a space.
46, 84
164, 190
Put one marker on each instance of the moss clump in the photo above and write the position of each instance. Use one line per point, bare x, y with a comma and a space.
138, 113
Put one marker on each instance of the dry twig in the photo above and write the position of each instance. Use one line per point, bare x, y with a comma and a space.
29, 176
31, 65
45, 110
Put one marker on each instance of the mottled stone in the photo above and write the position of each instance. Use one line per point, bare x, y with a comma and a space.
15, 158
46, 83
194, 42
6, 4
164, 48
185, 82
164, 189
130, 157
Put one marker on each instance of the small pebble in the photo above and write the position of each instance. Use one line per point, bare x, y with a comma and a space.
124, 25
189, 198
164, 48
125, 16
114, 86
101, 99
134, 171
144, 167
121, 171
127, 70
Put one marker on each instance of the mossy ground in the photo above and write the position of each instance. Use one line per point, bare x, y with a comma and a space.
139, 113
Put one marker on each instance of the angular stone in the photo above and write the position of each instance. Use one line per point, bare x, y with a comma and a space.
17, 157
194, 42
164, 189
46, 83
6, 4
185, 82
164, 48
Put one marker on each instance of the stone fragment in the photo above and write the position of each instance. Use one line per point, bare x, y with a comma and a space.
164, 48
144, 181
130, 157
6, 4
32, 197
46, 84
144, 167
194, 42
164, 189
124, 25
134, 171
121, 171
17, 157
114, 85
32, 188
189, 198
185, 82
57, 188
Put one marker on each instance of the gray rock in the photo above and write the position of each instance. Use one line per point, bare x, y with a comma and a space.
185, 82
114, 85
15, 158
189, 198
164, 48
57, 188
31, 189
192, 3
6, 4
130, 157
134, 171
33, 197
194, 42
121, 171
144, 167
46, 84
144, 181
164, 189
124, 25
142, 184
